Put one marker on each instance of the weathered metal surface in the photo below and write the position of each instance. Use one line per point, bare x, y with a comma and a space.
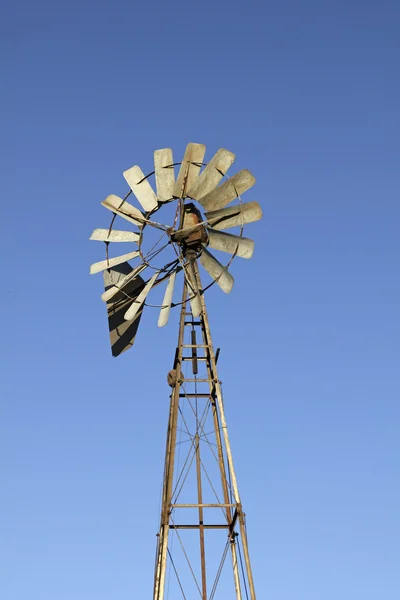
141, 188
132, 311
165, 176
171, 377
115, 235
122, 208
190, 235
217, 271
115, 289
226, 242
193, 291
235, 216
212, 174
228, 191
102, 265
195, 365
201, 518
122, 333
166, 303
190, 168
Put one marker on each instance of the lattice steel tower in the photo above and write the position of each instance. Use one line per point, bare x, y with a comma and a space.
202, 549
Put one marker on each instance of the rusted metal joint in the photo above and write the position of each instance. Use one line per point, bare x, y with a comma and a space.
172, 377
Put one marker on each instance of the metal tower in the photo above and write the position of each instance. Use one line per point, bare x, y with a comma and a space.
211, 501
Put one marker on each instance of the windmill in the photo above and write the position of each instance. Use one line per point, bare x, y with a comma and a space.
202, 520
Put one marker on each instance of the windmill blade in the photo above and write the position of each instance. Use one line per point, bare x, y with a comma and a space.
167, 301
193, 290
189, 171
195, 305
235, 216
115, 235
122, 208
122, 283
165, 176
122, 333
112, 262
226, 242
136, 306
217, 271
228, 191
212, 174
141, 188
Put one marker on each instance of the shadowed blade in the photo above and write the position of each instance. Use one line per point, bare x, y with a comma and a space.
122, 333
112, 262
189, 171
228, 191
105, 235
165, 176
212, 174
166, 304
120, 286
217, 271
236, 216
141, 188
136, 306
226, 242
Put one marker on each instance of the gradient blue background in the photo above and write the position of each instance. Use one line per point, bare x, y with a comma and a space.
307, 95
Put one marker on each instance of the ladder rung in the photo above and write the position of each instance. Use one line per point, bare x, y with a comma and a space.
195, 395
193, 323
198, 380
198, 526
202, 505
191, 358
195, 346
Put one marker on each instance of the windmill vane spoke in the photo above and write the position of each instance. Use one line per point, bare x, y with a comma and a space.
205, 202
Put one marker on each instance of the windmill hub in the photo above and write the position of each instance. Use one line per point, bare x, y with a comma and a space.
193, 233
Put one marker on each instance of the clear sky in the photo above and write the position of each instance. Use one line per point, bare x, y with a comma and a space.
307, 95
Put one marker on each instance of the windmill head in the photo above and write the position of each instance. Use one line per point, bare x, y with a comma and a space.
201, 194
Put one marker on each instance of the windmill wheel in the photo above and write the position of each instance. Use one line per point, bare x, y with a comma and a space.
199, 213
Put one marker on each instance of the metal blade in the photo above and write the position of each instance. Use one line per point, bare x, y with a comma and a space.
122, 283
193, 290
115, 235
165, 176
236, 216
244, 247
136, 306
195, 305
112, 262
212, 174
141, 188
122, 333
167, 301
122, 208
217, 271
228, 191
189, 171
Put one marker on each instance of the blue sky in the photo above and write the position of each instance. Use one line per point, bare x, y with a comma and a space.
307, 95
